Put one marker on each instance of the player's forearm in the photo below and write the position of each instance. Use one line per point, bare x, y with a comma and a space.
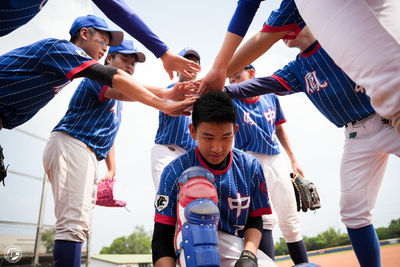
126, 85
122, 15
284, 140
256, 46
229, 46
254, 87
252, 238
112, 93
165, 262
158, 91
110, 160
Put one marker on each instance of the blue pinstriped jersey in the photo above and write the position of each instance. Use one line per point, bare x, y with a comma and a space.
14, 14
257, 120
335, 95
32, 75
92, 118
174, 130
285, 18
241, 187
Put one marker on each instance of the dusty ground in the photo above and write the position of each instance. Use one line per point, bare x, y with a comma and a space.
390, 256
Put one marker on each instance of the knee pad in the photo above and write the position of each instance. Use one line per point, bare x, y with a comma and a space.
196, 238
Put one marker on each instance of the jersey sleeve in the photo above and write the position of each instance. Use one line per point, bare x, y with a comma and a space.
65, 57
166, 198
95, 88
259, 197
255, 87
285, 18
122, 15
243, 16
280, 116
287, 78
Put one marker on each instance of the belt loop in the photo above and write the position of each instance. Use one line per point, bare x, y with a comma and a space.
171, 148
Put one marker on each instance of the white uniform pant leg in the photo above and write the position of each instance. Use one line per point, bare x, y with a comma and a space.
363, 165
230, 247
281, 194
72, 171
363, 38
161, 156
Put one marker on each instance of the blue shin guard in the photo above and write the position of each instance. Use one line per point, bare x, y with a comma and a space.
67, 253
196, 240
366, 246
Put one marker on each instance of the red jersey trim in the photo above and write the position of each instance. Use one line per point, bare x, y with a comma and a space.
102, 98
311, 52
282, 81
280, 122
208, 168
164, 219
260, 212
70, 75
250, 101
293, 28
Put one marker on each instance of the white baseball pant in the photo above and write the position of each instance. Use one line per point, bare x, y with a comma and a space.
72, 171
366, 151
281, 194
230, 247
363, 38
161, 156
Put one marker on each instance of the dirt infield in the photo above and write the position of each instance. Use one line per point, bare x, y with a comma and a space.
390, 256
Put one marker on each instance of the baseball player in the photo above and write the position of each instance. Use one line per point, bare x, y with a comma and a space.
260, 122
31, 76
173, 137
239, 183
84, 136
15, 13
369, 139
352, 32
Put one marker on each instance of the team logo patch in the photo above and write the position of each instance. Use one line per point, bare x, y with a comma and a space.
270, 116
82, 53
161, 202
247, 119
239, 203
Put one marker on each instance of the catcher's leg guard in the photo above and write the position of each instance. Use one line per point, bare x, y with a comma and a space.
196, 239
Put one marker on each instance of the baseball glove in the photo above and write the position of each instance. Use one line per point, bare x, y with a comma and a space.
306, 193
105, 194
3, 169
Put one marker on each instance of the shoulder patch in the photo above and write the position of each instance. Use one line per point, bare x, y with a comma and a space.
161, 202
82, 53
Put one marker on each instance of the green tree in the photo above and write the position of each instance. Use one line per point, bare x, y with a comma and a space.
48, 239
394, 228
139, 242
281, 247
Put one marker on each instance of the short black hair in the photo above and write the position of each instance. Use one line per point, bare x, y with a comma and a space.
113, 54
75, 36
213, 107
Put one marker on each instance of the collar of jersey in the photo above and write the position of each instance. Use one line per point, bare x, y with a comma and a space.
215, 172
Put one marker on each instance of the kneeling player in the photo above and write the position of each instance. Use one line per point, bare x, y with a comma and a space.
241, 190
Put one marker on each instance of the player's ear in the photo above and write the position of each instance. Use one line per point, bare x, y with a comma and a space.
84, 33
236, 128
108, 59
252, 73
192, 130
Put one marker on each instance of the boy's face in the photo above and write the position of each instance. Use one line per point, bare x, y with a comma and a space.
214, 139
125, 62
95, 45
183, 78
241, 76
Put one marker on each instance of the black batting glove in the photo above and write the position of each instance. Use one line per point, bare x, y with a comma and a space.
247, 259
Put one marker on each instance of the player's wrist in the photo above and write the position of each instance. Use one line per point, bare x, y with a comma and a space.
247, 259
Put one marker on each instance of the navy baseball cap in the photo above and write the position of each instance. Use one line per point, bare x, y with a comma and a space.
189, 51
127, 47
99, 24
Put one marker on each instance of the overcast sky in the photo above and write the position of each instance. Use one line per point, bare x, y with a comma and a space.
202, 25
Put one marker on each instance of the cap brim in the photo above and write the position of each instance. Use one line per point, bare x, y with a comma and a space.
116, 36
192, 52
140, 55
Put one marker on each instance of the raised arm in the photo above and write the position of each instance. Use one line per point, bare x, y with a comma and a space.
254, 87
122, 15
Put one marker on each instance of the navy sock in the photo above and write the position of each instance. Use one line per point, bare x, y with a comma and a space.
67, 253
366, 246
298, 252
267, 244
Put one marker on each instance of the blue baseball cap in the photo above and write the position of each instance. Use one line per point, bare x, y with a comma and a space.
189, 51
99, 24
250, 67
128, 47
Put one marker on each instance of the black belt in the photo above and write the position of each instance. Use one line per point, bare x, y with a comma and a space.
359, 120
